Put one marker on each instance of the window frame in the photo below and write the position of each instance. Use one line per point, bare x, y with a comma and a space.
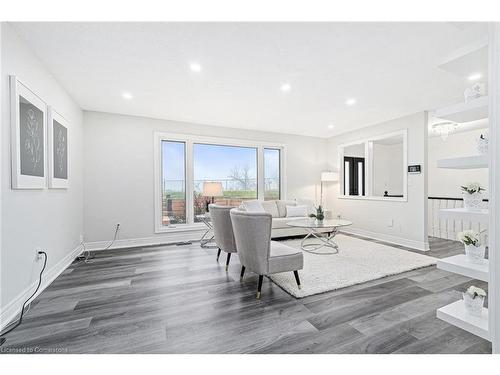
189, 141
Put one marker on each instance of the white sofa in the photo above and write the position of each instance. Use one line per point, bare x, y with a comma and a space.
277, 209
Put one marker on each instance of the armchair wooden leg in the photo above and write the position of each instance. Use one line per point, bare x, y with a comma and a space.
259, 288
227, 261
218, 254
297, 279
242, 272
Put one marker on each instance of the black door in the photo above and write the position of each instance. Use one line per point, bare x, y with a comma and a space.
352, 166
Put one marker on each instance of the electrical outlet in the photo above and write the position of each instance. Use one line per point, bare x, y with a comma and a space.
390, 223
38, 256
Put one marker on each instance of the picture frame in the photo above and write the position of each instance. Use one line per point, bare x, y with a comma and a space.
58, 150
28, 137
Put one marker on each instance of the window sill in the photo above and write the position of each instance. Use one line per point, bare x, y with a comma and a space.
181, 228
373, 198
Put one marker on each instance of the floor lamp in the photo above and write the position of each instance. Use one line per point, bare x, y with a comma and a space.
327, 177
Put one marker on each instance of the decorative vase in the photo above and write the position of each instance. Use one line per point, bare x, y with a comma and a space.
475, 254
472, 201
319, 222
482, 146
473, 306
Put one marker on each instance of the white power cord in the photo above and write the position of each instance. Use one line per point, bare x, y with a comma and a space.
87, 254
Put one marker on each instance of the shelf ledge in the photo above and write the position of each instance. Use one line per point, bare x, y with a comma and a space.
460, 265
465, 162
456, 315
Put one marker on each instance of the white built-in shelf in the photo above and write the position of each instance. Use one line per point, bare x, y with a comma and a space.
466, 162
464, 214
459, 264
456, 315
476, 109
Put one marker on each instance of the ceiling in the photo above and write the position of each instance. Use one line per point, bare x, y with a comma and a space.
390, 69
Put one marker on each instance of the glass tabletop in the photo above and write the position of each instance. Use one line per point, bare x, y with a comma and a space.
311, 223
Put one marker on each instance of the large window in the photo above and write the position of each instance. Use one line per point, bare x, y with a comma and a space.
233, 168
272, 173
192, 171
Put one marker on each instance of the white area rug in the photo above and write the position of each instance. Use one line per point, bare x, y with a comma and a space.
358, 261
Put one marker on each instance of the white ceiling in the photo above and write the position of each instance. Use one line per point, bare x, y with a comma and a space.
390, 68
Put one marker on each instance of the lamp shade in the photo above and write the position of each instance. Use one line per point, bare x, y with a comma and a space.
329, 176
212, 189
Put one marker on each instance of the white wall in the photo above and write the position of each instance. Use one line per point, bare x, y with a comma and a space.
446, 182
119, 172
374, 217
387, 169
50, 219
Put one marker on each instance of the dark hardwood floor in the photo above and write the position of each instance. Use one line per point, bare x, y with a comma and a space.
178, 299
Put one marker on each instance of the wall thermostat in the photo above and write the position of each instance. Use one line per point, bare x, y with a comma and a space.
414, 169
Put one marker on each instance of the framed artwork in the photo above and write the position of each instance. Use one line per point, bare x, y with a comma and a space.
28, 129
58, 159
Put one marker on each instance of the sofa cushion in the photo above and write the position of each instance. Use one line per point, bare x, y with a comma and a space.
271, 208
296, 211
311, 208
282, 207
280, 222
253, 206
284, 258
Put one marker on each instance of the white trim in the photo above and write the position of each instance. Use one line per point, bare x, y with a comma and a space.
189, 140
494, 186
56, 183
20, 181
13, 308
172, 238
417, 245
369, 167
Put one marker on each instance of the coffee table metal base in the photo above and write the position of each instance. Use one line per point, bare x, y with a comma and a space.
316, 240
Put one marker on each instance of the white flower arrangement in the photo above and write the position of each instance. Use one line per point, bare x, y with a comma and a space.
474, 292
472, 188
469, 237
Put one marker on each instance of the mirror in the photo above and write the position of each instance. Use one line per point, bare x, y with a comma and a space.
375, 168
388, 167
354, 170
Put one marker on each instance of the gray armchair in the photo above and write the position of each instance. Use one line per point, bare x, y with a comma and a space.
223, 230
252, 232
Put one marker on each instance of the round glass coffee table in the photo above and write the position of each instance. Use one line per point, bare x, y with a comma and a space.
320, 234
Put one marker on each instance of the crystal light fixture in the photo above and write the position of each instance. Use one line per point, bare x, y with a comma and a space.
444, 129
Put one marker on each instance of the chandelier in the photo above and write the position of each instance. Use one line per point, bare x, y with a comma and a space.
444, 129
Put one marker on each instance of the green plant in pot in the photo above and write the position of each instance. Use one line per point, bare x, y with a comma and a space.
319, 215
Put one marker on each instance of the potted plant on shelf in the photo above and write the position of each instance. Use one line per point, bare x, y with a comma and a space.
472, 195
319, 215
474, 300
474, 250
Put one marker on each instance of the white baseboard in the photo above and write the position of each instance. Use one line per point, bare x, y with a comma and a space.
417, 245
165, 239
13, 308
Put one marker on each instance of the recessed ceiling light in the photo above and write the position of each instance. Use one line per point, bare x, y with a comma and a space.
285, 87
474, 76
195, 67
350, 101
127, 95
330, 126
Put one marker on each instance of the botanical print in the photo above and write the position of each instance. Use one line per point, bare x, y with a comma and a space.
60, 150
31, 139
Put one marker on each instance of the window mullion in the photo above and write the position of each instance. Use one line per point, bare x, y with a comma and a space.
189, 183
260, 173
